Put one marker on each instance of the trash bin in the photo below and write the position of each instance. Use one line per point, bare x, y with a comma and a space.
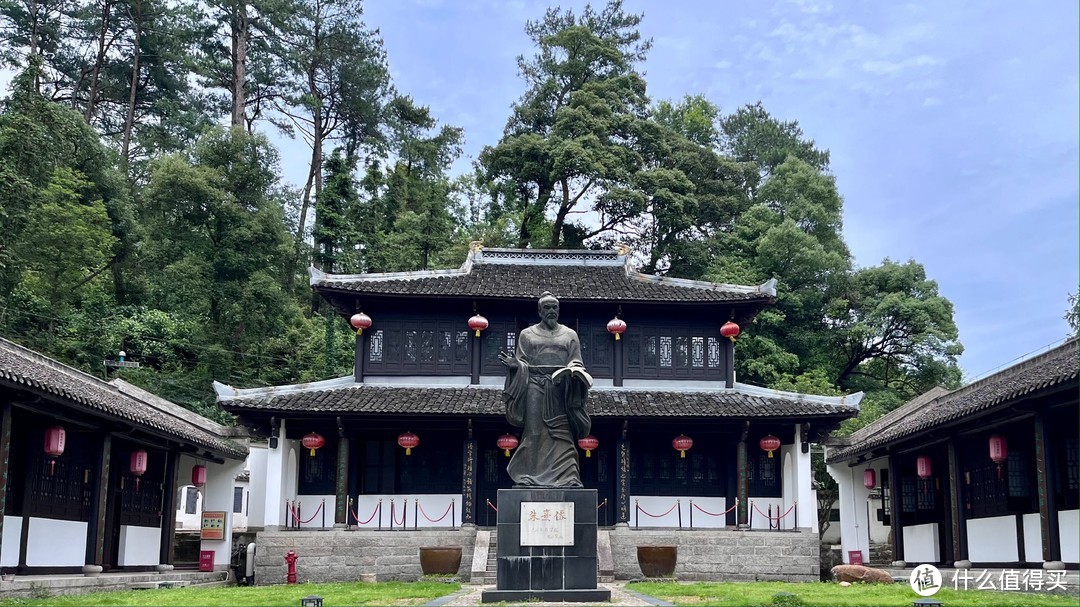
206, 560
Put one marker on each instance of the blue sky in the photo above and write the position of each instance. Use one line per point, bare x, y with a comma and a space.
953, 126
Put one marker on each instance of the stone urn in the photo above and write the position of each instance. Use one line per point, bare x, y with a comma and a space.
657, 561
440, 560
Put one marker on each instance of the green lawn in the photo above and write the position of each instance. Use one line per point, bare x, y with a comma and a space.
334, 595
828, 595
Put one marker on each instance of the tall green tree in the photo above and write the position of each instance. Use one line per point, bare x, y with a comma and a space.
575, 132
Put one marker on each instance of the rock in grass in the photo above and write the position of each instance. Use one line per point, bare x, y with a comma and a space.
861, 573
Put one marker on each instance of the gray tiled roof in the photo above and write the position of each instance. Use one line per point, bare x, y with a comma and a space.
1050, 370
525, 274
24, 369
359, 398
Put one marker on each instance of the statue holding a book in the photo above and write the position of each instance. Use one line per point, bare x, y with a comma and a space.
545, 392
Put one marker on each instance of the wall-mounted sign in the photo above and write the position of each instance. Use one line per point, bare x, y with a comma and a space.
547, 523
213, 525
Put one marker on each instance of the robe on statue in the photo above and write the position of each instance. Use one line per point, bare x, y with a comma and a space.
550, 412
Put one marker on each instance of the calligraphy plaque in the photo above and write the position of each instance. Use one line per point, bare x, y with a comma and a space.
547, 523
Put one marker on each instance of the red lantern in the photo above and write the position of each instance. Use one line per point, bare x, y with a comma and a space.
924, 467
730, 330
55, 438
616, 326
769, 443
360, 321
588, 444
312, 442
999, 451
138, 465
408, 441
507, 442
478, 323
682, 444
869, 478
198, 475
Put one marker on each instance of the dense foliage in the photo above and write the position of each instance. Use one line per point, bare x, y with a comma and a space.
143, 207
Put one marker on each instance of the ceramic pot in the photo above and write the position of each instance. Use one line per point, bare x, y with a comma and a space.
657, 561
440, 560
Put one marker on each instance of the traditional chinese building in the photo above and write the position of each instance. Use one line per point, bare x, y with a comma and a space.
987, 474
91, 469
416, 436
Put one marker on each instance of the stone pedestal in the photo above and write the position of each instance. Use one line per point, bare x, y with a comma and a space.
562, 570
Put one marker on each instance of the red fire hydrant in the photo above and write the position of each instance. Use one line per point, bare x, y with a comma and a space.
290, 560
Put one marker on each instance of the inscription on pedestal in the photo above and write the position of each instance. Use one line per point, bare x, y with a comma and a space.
547, 523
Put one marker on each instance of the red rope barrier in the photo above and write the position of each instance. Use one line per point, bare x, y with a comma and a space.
492, 505
430, 520
724, 513
773, 518
392, 521
640, 509
296, 519
373, 513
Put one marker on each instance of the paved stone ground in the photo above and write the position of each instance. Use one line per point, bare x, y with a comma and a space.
471, 595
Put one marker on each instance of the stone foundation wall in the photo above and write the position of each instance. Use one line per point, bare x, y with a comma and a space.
339, 555
723, 554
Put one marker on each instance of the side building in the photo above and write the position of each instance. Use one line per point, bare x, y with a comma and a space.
416, 438
92, 469
985, 475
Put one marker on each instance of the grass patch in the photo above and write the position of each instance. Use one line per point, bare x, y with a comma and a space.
813, 594
334, 595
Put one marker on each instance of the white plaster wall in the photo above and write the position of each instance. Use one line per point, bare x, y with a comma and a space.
139, 545
654, 504
185, 520
55, 543
9, 548
274, 496
803, 481
1069, 532
256, 465
990, 540
1032, 538
921, 543
853, 497
218, 495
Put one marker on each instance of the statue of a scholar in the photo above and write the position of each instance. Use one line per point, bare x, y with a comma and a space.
545, 392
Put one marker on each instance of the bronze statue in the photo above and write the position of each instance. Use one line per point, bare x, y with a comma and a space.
546, 387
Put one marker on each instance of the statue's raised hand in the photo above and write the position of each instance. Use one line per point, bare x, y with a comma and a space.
508, 360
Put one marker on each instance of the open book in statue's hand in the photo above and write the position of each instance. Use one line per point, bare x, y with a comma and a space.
572, 371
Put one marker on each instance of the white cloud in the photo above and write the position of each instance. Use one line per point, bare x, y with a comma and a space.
885, 67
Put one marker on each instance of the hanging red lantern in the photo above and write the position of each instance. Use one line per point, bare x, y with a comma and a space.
869, 478
588, 444
55, 439
507, 442
999, 451
408, 441
312, 442
682, 444
769, 443
478, 323
924, 467
360, 321
198, 475
730, 330
138, 465
616, 326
